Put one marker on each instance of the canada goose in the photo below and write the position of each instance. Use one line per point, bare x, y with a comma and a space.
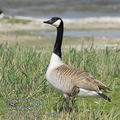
70, 81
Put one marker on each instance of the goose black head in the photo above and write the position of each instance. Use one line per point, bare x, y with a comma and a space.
55, 21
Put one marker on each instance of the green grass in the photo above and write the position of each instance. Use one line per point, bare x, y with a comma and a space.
25, 93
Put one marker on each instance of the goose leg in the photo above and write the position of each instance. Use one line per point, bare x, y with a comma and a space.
63, 104
68, 103
73, 94
69, 100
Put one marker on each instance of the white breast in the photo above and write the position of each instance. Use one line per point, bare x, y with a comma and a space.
54, 63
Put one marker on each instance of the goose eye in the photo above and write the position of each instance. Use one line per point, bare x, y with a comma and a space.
54, 19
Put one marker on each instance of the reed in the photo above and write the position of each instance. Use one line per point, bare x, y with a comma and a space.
25, 93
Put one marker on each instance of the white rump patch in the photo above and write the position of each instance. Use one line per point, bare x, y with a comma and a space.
84, 92
57, 23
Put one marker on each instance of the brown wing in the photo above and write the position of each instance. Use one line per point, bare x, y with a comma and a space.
80, 79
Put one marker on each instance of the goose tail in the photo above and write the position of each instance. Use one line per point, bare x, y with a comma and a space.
104, 96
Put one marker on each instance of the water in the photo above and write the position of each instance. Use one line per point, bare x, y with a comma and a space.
65, 9
92, 33
62, 8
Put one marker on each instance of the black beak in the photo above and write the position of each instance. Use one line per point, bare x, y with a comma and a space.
45, 21
48, 22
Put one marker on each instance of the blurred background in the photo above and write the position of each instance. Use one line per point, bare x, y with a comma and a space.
63, 8
91, 43
93, 20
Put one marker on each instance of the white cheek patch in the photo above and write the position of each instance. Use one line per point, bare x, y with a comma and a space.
57, 23
1, 15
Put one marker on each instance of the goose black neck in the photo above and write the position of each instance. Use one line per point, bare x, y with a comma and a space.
58, 42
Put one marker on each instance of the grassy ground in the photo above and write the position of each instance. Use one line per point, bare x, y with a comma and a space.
24, 92
26, 95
